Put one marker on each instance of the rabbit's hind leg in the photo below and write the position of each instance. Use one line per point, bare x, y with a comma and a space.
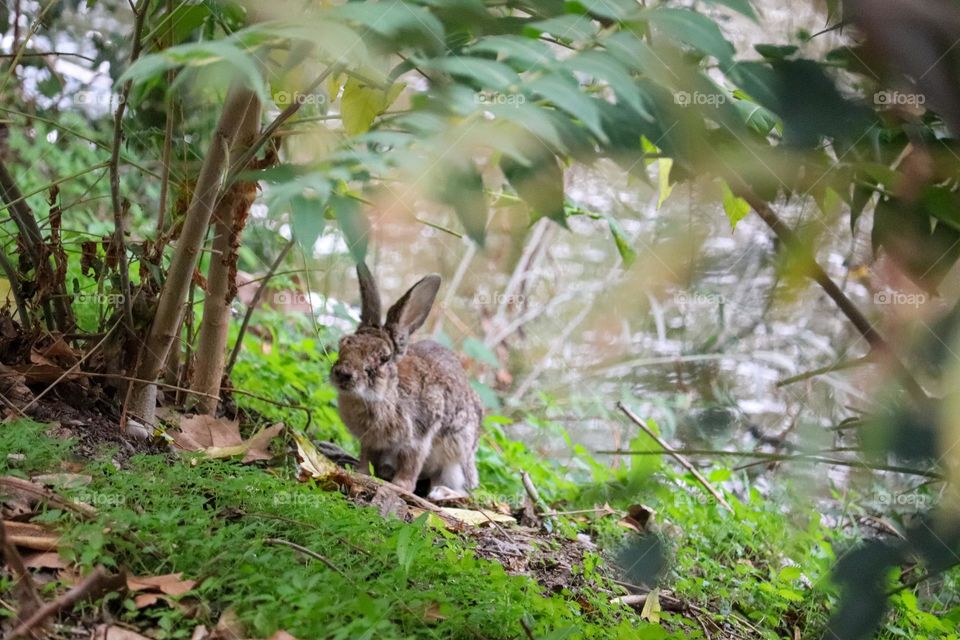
450, 479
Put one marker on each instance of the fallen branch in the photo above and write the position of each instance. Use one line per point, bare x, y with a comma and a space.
18, 485
91, 587
27, 595
676, 456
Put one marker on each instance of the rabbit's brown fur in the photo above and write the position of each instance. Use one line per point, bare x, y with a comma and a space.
411, 407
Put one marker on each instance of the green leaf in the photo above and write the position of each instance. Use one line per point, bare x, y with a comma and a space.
664, 165
243, 66
776, 51
462, 189
480, 352
604, 66
568, 28
403, 22
693, 29
620, 10
566, 95
539, 184
353, 223
483, 72
361, 104
627, 254
306, 218
736, 208
790, 573
526, 53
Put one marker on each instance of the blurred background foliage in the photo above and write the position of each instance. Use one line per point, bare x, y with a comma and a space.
587, 177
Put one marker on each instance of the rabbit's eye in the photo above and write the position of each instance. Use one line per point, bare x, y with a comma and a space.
384, 357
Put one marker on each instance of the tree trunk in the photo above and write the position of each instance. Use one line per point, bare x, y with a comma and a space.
142, 403
229, 219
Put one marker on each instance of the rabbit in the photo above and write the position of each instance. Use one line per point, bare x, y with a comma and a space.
410, 405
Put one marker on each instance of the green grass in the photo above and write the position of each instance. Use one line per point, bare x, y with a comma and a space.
211, 521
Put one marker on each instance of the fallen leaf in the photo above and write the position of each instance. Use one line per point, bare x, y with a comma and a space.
112, 632
45, 560
144, 600
282, 635
258, 445
651, 608
313, 464
478, 517
228, 627
220, 438
200, 633
171, 584
30, 536
432, 614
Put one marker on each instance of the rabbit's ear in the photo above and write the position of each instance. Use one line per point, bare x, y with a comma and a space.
411, 310
370, 315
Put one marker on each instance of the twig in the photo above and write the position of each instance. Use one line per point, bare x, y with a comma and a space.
258, 294
307, 552
19, 485
676, 456
534, 495
43, 54
90, 587
786, 235
765, 457
830, 368
119, 208
27, 594
276, 403
527, 630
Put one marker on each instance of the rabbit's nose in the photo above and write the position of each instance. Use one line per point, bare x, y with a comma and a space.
342, 376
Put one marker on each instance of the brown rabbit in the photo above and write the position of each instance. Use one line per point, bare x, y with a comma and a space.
411, 407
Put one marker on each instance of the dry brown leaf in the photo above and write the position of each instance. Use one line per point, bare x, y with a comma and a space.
144, 600
112, 632
432, 614
30, 536
220, 438
45, 560
280, 634
201, 432
258, 445
200, 632
171, 584
228, 627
